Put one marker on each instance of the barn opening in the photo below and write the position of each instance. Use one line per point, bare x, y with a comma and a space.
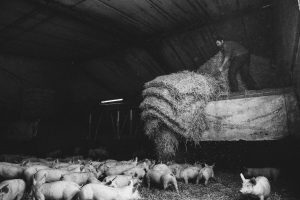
60, 59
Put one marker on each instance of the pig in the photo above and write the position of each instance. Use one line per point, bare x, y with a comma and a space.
12, 189
51, 175
34, 159
150, 163
29, 163
81, 178
110, 160
9, 164
119, 169
103, 192
30, 171
106, 165
119, 180
91, 169
177, 168
162, 178
271, 173
59, 165
258, 186
190, 173
126, 162
206, 173
73, 168
139, 171
169, 179
59, 190
96, 164
162, 167
8, 171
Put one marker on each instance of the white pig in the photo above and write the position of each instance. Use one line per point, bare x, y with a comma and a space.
8, 171
162, 167
51, 174
139, 171
103, 192
206, 172
258, 186
162, 178
118, 181
59, 190
119, 169
169, 179
176, 169
30, 171
190, 173
12, 189
81, 178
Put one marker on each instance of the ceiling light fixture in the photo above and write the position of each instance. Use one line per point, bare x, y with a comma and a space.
111, 101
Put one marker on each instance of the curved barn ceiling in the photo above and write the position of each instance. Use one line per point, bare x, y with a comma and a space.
113, 47
86, 28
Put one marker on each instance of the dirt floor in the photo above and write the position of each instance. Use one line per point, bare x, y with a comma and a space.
225, 187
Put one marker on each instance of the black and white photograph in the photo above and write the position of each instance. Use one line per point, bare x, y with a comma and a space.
149, 99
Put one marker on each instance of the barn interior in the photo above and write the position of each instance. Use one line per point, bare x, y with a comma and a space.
59, 59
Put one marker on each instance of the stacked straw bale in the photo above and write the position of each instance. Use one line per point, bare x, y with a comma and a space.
173, 105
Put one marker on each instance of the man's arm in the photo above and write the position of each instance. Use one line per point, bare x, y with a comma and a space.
226, 59
227, 54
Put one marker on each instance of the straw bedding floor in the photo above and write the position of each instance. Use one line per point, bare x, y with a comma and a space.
225, 187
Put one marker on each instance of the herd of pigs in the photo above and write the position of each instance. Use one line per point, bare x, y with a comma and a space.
111, 179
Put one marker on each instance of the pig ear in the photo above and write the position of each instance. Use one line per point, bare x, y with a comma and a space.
4, 189
130, 182
145, 170
213, 165
108, 183
25, 162
253, 181
81, 168
206, 165
135, 186
242, 177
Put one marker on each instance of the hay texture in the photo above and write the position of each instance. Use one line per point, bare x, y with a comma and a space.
174, 103
166, 145
179, 104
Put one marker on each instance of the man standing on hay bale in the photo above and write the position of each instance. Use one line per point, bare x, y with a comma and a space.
239, 58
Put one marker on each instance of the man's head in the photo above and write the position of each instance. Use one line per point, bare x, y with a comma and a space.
219, 42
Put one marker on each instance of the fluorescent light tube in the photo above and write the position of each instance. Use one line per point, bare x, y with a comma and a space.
111, 101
